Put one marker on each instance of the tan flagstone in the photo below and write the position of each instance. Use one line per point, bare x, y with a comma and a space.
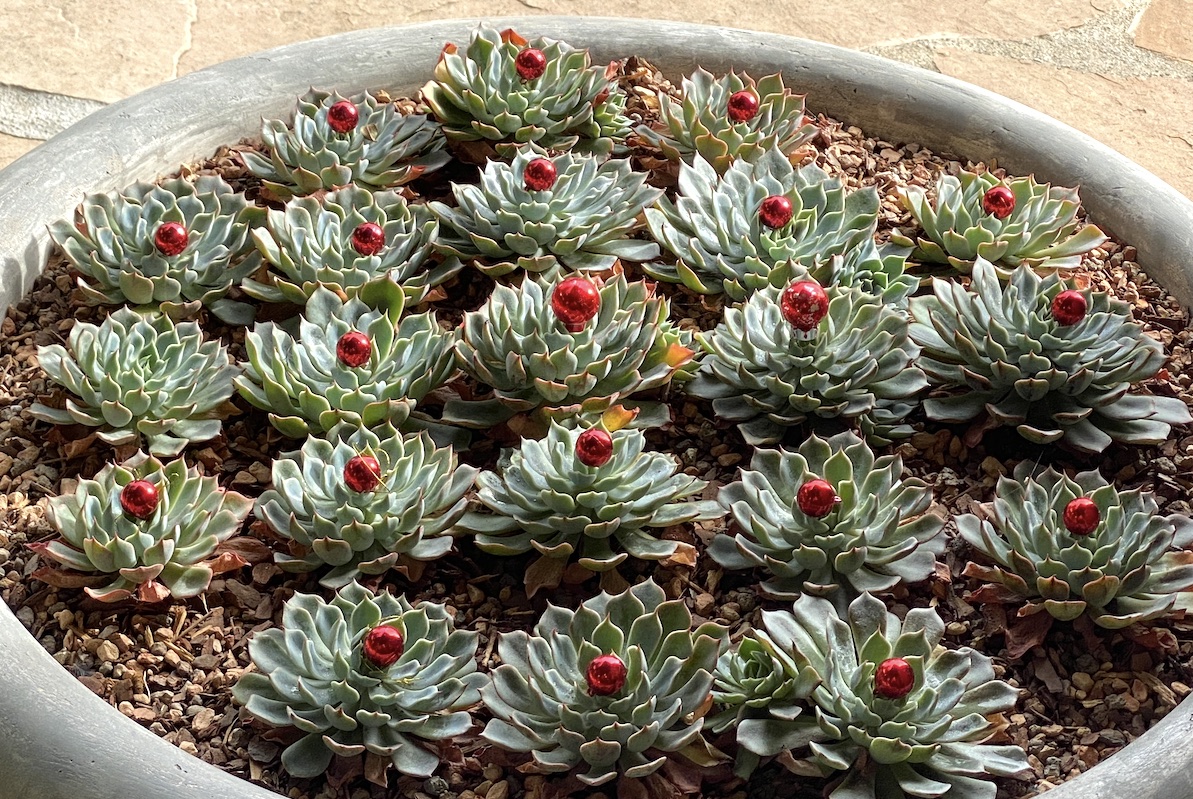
1165, 28
13, 147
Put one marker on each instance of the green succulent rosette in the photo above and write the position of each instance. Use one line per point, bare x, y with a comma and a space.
311, 674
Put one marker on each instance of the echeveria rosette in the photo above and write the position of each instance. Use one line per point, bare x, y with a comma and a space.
312, 675
928, 743
857, 364
878, 270
111, 243
170, 553
699, 127
543, 498
1042, 231
478, 96
517, 345
584, 221
721, 245
1121, 573
307, 389
386, 148
140, 375
309, 244
881, 532
540, 702
409, 518
998, 357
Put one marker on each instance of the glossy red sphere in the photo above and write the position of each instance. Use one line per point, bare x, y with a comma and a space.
894, 678
170, 238
817, 498
775, 211
576, 300
594, 447
342, 116
1082, 516
139, 499
606, 675
999, 202
1069, 307
362, 473
530, 63
743, 106
539, 174
354, 348
368, 238
383, 645
804, 303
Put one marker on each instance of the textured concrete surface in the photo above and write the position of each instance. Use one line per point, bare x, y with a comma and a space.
1120, 70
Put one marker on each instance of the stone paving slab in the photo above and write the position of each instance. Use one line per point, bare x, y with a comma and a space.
1167, 27
13, 147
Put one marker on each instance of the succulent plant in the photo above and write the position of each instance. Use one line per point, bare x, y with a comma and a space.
729, 119
871, 530
349, 363
154, 530
349, 241
764, 222
852, 360
365, 141
1017, 355
174, 246
901, 715
338, 673
614, 687
552, 97
365, 502
1079, 546
578, 213
1006, 222
520, 344
586, 492
140, 375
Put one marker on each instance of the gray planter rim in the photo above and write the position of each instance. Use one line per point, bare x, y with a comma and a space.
60, 741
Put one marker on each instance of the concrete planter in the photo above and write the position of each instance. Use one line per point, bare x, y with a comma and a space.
59, 741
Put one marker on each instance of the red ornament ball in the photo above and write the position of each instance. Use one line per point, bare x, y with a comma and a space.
1082, 516
594, 447
1069, 307
999, 202
817, 498
775, 211
606, 675
576, 300
170, 238
743, 106
139, 499
804, 303
530, 63
894, 678
362, 473
368, 238
342, 116
354, 348
539, 174
383, 645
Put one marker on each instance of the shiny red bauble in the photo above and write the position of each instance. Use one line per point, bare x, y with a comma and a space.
354, 348
743, 106
606, 675
383, 645
342, 116
804, 303
1069, 307
775, 211
362, 473
368, 238
894, 678
539, 174
530, 63
999, 202
1082, 516
594, 447
170, 238
817, 498
139, 499
576, 300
